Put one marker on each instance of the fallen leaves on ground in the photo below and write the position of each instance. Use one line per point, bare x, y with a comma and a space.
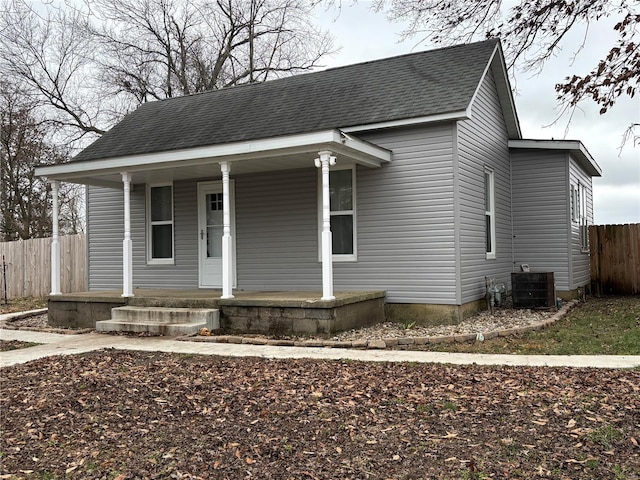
128, 415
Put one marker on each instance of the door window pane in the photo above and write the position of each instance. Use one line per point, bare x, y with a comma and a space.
214, 241
214, 209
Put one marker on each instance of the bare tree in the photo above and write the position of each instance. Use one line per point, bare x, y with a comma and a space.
165, 48
92, 62
25, 200
50, 55
531, 32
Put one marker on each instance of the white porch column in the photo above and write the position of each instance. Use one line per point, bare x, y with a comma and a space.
324, 161
227, 253
127, 251
55, 244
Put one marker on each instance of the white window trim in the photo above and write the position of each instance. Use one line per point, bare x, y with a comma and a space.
149, 223
491, 255
340, 257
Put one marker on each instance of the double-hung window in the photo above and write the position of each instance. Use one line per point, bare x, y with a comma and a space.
489, 213
582, 214
342, 201
579, 213
160, 224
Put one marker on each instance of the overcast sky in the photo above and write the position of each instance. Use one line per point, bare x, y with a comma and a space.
364, 35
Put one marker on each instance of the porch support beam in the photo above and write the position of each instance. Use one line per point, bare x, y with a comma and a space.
127, 250
55, 244
324, 161
227, 254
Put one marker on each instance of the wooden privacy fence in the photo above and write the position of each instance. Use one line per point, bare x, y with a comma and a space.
28, 266
615, 259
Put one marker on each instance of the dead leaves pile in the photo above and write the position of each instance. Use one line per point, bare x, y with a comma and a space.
129, 415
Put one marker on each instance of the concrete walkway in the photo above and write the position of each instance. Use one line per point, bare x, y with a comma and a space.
57, 344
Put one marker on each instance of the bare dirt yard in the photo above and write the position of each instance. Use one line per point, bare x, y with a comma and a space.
127, 415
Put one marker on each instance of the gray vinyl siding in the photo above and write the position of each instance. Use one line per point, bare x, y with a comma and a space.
541, 212
482, 142
404, 216
105, 231
276, 225
406, 220
580, 260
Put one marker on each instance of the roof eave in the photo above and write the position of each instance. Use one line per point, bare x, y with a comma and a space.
408, 122
575, 147
357, 150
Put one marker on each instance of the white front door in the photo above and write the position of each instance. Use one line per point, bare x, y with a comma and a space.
210, 230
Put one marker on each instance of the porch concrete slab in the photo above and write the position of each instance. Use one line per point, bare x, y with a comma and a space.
240, 296
73, 344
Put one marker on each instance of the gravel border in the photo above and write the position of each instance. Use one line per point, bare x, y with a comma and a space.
381, 343
387, 342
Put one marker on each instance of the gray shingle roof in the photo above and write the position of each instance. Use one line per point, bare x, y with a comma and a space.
398, 88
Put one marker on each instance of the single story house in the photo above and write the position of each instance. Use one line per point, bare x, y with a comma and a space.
407, 175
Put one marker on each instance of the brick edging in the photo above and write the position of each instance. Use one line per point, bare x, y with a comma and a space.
384, 343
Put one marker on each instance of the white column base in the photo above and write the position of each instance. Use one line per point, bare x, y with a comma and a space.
127, 276
55, 267
226, 267
327, 267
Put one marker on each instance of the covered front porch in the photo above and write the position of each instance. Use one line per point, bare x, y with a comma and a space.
165, 229
274, 313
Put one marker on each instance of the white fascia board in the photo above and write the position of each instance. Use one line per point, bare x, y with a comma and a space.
451, 116
574, 146
290, 144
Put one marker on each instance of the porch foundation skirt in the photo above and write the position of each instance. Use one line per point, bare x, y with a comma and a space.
273, 313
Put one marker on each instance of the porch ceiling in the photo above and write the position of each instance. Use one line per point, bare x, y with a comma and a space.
280, 153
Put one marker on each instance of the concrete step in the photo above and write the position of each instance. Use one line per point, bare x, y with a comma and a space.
160, 320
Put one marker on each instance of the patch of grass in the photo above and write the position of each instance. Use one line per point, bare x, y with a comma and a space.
23, 304
450, 406
428, 408
606, 436
600, 326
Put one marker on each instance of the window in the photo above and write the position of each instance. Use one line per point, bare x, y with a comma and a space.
574, 202
582, 213
342, 211
160, 224
489, 214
